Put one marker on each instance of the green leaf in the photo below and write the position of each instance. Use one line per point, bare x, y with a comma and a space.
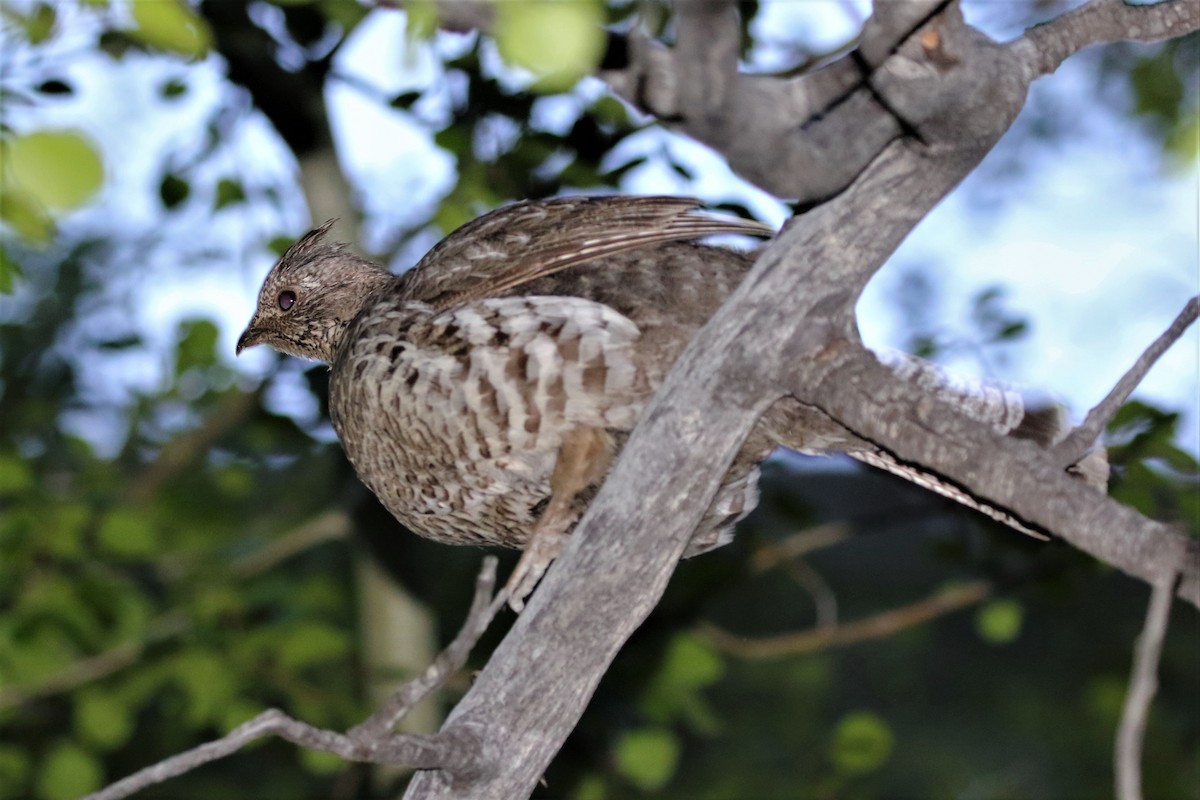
67, 772
404, 99
127, 532
118, 43
312, 643
171, 25
421, 20
172, 88
61, 170
101, 719
346, 14
62, 534
1012, 330
25, 214
39, 26
1104, 697
591, 787
1158, 89
999, 622
197, 345
229, 192
235, 481
173, 190
320, 763
279, 244
691, 661
688, 666
121, 342
32, 658
862, 742
207, 683
10, 271
647, 758
15, 474
1183, 142
14, 770
239, 711
55, 86
610, 110
559, 42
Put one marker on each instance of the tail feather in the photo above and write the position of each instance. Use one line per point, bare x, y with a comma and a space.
808, 430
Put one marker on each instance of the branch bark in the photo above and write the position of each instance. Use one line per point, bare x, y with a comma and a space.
1049, 44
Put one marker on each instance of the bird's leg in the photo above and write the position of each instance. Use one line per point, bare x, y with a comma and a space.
583, 460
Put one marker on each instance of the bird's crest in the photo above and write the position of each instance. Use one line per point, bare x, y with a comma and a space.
302, 250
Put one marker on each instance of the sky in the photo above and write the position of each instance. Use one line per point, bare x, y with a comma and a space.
1095, 241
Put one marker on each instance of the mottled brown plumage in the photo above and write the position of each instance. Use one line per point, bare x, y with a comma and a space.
483, 394
529, 337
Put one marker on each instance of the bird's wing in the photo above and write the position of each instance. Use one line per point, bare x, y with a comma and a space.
523, 241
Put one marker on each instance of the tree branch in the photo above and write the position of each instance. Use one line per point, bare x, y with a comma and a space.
1142, 686
1015, 475
373, 740
1045, 46
1081, 439
876, 626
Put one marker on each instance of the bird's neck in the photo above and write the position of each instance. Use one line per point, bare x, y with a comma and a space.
373, 283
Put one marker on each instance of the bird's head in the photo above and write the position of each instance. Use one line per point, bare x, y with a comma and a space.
310, 296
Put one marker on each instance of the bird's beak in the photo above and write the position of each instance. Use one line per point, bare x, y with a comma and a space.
250, 337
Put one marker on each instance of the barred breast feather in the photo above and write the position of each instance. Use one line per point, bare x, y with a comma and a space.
499, 381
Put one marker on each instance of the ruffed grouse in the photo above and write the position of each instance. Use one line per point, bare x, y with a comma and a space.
483, 394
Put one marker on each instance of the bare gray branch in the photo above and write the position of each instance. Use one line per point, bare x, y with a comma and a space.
1081, 439
1046, 46
1143, 684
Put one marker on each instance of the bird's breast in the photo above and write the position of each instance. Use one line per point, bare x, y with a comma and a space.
455, 421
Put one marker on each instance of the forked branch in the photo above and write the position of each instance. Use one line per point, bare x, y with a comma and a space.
373, 740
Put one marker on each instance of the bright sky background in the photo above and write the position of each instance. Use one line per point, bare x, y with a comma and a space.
1096, 241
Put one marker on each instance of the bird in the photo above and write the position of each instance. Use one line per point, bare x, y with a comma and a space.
483, 394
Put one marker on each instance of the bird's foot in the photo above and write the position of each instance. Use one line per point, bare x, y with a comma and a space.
583, 459
540, 551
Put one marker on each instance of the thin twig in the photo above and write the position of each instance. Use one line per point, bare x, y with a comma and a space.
373, 740
874, 627
813, 582
1080, 440
449, 661
799, 544
323, 528
1142, 685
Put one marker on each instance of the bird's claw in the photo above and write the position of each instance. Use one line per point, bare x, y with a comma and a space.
543, 547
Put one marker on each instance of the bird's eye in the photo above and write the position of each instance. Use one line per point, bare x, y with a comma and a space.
286, 300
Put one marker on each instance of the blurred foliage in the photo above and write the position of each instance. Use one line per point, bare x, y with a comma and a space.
177, 556
560, 43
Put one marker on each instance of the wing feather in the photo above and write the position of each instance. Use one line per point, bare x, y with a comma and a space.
523, 241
